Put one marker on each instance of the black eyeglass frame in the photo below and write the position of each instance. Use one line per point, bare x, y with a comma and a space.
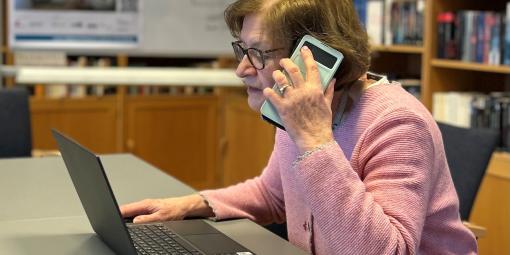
246, 50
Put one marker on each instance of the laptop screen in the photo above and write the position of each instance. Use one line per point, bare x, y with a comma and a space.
96, 196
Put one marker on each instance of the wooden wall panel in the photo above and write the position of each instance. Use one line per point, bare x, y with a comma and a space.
249, 141
91, 121
176, 134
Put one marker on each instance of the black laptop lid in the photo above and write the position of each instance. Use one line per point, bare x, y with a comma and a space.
95, 193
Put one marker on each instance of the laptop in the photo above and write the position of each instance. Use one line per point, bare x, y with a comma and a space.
170, 237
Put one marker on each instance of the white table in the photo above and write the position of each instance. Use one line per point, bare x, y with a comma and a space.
40, 212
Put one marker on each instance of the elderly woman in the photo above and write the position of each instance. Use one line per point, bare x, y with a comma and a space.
359, 169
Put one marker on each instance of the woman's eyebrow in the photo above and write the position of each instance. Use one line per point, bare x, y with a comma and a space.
255, 44
251, 44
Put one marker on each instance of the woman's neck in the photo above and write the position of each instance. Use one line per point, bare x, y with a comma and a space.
355, 90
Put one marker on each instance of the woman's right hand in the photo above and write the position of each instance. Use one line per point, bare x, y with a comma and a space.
177, 208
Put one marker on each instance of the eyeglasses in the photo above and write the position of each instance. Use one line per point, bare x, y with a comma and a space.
256, 56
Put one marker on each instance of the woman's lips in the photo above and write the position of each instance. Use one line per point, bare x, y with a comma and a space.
253, 90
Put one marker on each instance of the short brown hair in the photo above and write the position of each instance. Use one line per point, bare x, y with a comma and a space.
334, 22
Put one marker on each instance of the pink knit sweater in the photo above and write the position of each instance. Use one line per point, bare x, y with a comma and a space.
383, 187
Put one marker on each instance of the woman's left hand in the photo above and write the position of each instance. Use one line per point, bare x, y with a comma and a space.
304, 109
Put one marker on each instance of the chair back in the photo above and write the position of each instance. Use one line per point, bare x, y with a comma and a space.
468, 152
15, 128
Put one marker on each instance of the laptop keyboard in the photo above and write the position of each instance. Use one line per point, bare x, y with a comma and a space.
157, 239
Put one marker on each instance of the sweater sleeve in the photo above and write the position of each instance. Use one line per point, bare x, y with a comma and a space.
382, 212
259, 199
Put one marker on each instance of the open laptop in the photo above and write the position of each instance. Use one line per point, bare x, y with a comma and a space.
170, 237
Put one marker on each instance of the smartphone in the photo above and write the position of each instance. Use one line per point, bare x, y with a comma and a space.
328, 60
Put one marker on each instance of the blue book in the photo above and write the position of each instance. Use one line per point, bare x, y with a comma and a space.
495, 39
506, 51
480, 35
361, 8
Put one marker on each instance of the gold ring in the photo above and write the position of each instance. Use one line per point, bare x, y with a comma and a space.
283, 88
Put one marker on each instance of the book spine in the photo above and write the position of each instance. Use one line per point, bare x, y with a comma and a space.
420, 8
395, 19
375, 21
412, 23
468, 40
436, 106
507, 36
361, 8
487, 29
404, 24
459, 33
388, 35
450, 45
495, 39
441, 31
480, 35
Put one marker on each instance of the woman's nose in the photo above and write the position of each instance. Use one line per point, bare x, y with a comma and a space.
245, 68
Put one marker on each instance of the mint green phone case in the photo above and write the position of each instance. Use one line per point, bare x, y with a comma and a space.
328, 60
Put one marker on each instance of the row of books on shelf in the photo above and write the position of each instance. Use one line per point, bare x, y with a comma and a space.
392, 21
474, 36
475, 110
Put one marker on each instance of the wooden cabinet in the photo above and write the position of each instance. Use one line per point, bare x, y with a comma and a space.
206, 141
92, 121
176, 134
248, 141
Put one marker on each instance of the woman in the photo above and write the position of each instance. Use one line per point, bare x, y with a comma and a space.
360, 168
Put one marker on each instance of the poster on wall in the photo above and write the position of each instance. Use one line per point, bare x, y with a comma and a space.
75, 24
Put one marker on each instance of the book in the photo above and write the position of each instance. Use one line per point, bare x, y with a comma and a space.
375, 21
454, 108
488, 25
494, 57
446, 39
388, 35
472, 34
492, 111
506, 58
361, 9
467, 39
459, 33
441, 35
480, 36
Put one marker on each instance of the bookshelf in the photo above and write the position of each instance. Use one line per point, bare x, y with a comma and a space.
491, 208
445, 75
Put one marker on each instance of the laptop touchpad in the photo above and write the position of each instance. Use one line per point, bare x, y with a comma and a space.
216, 243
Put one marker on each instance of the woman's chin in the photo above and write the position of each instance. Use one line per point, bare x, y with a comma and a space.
255, 98
255, 103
